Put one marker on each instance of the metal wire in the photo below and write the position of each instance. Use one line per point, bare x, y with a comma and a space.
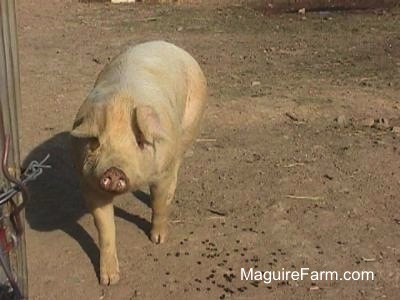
34, 170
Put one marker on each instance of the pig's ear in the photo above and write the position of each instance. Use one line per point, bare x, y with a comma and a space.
85, 126
149, 125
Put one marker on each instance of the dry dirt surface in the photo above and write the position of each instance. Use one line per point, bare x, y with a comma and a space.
297, 165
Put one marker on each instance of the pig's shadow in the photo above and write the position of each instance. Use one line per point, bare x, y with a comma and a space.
56, 201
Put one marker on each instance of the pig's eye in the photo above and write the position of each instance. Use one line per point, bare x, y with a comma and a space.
93, 144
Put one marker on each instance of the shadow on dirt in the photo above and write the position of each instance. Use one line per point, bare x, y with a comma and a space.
56, 201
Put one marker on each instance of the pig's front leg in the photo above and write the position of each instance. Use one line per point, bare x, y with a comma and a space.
101, 207
162, 192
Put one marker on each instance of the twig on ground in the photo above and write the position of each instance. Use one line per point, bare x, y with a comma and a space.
219, 213
205, 140
149, 19
305, 197
176, 221
368, 259
294, 165
292, 116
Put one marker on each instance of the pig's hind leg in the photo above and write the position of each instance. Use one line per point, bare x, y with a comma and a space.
162, 192
101, 207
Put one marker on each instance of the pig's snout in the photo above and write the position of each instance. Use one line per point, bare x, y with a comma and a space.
114, 180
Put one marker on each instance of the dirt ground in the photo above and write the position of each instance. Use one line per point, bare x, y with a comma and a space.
291, 114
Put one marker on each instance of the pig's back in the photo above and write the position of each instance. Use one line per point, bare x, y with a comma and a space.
155, 73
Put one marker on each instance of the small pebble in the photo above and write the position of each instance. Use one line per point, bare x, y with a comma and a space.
368, 122
341, 120
396, 129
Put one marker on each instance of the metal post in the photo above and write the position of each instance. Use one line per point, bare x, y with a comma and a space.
10, 113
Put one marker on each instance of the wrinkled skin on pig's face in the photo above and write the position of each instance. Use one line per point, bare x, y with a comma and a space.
115, 136
105, 152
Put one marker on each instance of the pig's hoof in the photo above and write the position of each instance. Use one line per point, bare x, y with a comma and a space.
109, 273
158, 235
109, 278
